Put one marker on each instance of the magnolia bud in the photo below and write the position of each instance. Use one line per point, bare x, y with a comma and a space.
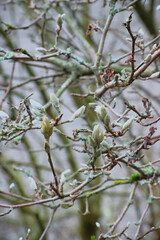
12, 186
97, 135
47, 127
47, 147
92, 105
99, 91
155, 75
103, 112
130, 8
91, 141
41, 50
98, 225
32, 183
107, 120
59, 21
78, 113
103, 115
66, 205
127, 124
148, 58
54, 99
154, 48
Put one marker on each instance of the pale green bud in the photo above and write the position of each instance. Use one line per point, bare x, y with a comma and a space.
12, 186
64, 175
99, 91
59, 21
36, 105
93, 105
47, 127
91, 141
130, 8
155, 75
148, 58
103, 114
32, 183
107, 120
47, 147
127, 124
78, 113
100, 110
97, 135
103, 111
54, 99
98, 225
101, 136
154, 48
41, 50
46, 121
66, 205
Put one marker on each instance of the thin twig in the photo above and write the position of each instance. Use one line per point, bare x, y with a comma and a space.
48, 224
99, 92
3, 214
28, 204
149, 231
149, 124
35, 20
102, 41
115, 235
37, 79
53, 170
141, 219
9, 86
131, 4
129, 53
128, 27
146, 65
130, 201
15, 195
